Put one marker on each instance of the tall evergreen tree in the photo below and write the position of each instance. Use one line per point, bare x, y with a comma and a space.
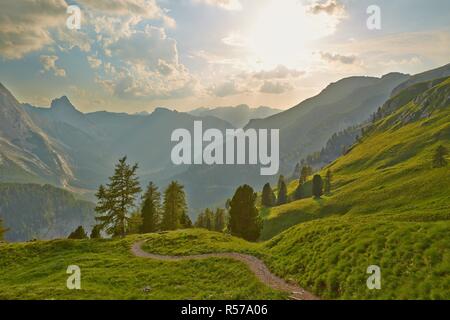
135, 224
305, 173
151, 209
2, 231
118, 198
327, 183
299, 194
244, 217
174, 206
96, 232
209, 219
186, 222
219, 220
201, 220
317, 186
439, 159
268, 196
78, 234
282, 191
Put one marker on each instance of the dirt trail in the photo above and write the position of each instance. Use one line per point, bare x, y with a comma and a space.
256, 266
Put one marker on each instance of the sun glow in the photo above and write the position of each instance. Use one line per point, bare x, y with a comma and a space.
284, 30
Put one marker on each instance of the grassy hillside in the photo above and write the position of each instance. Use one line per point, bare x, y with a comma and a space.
389, 171
388, 207
37, 270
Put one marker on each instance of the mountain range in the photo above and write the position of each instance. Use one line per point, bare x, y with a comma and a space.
64, 147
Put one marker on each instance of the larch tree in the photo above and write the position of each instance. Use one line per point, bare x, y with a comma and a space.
439, 160
317, 186
151, 209
174, 207
117, 199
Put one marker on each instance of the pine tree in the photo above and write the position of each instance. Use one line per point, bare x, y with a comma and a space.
268, 196
135, 224
282, 191
151, 209
327, 183
2, 231
117, 199
96, 232
304, 175
209, 219
200, 222
439, 160
219, 220
78, 234
299, 192
186, 222
244, 217
317, 186
174, 206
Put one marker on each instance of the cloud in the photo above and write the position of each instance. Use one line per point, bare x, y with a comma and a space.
279, 72
276, 87
147, 67
330, 7
49, 64
25, 26
144, 9
334, 57
225, 89
233, 5
94, 62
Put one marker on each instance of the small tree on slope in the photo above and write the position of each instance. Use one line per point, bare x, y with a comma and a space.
117, 199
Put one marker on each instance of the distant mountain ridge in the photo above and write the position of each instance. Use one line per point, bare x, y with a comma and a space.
238, 116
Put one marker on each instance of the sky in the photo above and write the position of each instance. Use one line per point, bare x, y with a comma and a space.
135, 55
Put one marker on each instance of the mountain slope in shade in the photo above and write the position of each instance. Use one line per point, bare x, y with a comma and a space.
34, 211
238, 116
441, 72
26, 148
304, 129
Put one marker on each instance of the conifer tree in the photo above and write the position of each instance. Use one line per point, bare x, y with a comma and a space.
282, 192
186, 222
96, 232
151, 209
299, 192
439, 160
78, 234
174, 207
219, 220
135, 224
268, 196
2, 231
117, 199
244, 217
317, 186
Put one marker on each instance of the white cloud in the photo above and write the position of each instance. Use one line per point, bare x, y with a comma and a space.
224, 4
275, 87
144, 9
330, 7
334, 57
25, 26
49, 64
94, 62
225, 89
279, 72
148, 67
